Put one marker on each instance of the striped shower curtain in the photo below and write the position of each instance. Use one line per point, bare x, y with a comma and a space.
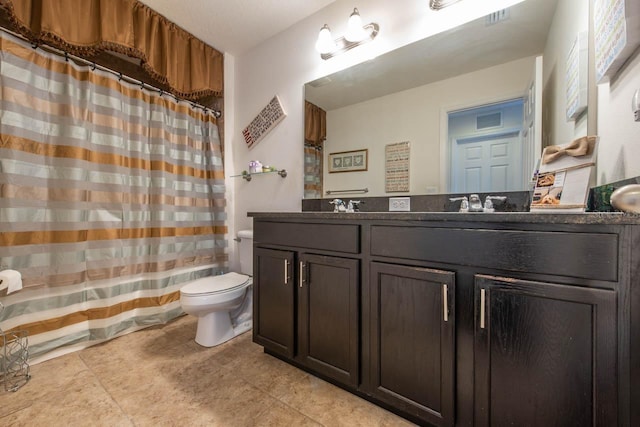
312, 171
111, 198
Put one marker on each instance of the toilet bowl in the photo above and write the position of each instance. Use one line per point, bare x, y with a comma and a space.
211, 299
222, 304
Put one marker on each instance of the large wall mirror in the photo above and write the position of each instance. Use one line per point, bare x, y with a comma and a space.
512, 65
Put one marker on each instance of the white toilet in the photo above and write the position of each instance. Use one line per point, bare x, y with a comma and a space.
223, 304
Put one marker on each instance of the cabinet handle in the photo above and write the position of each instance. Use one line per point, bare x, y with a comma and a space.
301, 273
445, 303
482, 304
286, 271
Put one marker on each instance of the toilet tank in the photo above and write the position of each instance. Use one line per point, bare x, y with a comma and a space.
245, 249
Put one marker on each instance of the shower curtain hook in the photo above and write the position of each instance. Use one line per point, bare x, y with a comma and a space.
66, 56
34, 45
93, 66
119, 76
142, 85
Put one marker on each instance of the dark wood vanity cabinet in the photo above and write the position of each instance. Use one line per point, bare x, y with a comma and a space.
413, 340
328, 316
306, 304
274, 300
545, 354
459, 319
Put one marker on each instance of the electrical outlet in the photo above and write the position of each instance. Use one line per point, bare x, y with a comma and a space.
431, 190
399, 204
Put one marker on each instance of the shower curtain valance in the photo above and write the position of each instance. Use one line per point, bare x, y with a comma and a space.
315, 124
171, 55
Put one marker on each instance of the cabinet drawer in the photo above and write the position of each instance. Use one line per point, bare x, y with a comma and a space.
582, 255
330, 237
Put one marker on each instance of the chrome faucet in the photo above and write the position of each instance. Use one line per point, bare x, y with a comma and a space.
338, 205
354, 206
488, 202
475, 204
464, 203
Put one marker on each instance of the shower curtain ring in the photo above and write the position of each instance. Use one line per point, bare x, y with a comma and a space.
66, 56
93, 66
119, 76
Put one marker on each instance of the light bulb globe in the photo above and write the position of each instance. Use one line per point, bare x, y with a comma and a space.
325, 43
355, 30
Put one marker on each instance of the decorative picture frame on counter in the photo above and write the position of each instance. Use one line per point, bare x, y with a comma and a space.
349, 161
565, 175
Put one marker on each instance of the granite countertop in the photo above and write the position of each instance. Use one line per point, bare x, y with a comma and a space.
495, 217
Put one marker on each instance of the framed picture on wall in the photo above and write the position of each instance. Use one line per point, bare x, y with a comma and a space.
348, 161
617, 35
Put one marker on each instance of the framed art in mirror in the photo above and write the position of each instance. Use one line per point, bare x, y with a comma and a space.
348, 161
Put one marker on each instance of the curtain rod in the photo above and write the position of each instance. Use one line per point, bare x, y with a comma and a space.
92, 64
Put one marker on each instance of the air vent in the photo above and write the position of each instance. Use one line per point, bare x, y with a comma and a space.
491, 120
499, 16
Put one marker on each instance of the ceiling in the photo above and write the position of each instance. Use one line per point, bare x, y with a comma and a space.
464, 49
235, 26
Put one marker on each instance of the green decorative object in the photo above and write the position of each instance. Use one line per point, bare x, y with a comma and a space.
602, 198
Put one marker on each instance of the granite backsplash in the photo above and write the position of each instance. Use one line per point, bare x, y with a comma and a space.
517, 201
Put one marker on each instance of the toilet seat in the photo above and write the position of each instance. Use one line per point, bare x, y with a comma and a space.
212, 285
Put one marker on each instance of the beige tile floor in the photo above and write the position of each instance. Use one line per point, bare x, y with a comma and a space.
160, 377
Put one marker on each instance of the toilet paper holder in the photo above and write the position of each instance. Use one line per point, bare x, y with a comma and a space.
14, 358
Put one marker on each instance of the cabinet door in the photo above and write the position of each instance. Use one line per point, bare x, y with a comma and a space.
545, 354
413, 340
328, 301
273, 300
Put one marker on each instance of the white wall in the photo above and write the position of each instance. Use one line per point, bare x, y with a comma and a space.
281, 65
417, 113
571, 18
229, 136
619, 146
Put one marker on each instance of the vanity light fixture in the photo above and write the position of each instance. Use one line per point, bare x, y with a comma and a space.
356, 35
441, 4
